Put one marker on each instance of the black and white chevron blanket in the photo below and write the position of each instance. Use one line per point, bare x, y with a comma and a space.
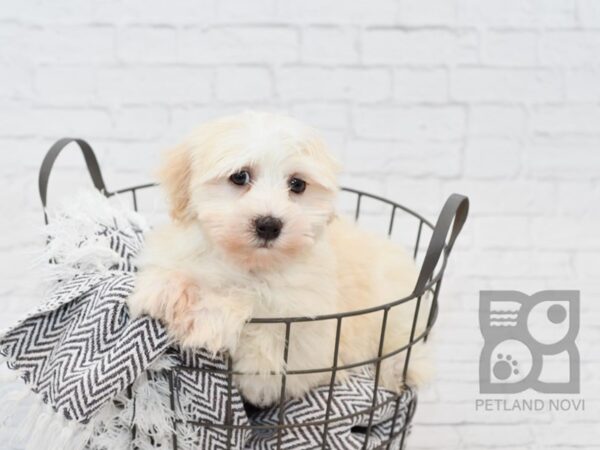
106, 381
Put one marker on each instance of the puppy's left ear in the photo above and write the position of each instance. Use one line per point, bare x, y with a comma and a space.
175, 175
327, 167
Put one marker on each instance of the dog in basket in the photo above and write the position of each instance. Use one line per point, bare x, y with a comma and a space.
254, 233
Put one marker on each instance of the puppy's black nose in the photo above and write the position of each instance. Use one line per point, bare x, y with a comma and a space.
268, 227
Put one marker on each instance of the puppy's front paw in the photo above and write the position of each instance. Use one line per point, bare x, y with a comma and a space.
216, 322
194, 317
168, 296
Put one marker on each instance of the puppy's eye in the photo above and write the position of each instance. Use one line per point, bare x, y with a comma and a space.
297, 185
240, 178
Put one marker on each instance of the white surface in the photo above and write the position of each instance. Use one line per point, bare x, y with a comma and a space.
499, 100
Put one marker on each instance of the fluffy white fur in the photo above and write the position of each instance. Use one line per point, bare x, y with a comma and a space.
206, 274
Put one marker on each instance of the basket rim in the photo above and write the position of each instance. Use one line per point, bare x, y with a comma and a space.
337, 316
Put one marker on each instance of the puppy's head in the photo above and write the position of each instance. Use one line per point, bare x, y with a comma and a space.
260, 185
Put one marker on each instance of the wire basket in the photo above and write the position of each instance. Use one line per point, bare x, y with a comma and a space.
434, 260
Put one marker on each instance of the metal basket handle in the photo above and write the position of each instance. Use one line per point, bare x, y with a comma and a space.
90, 160
455, 210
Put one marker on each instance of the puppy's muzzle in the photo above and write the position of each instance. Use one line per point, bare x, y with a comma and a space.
268, 227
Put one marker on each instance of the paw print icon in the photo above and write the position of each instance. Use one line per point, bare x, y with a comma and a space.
529, 342
505, 367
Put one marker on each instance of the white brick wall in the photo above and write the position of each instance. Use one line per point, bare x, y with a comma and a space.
499, 100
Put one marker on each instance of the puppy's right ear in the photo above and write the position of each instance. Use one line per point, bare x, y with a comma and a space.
175, 175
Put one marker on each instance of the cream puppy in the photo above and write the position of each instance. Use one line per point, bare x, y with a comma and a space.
254, 234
